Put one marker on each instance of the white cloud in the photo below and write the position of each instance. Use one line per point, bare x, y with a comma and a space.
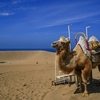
14, 2
70, 18
17, 1
6, 14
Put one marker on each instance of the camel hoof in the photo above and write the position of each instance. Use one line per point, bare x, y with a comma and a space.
85, 94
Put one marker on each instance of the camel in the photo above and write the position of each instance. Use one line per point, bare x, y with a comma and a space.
74, 60
95, 46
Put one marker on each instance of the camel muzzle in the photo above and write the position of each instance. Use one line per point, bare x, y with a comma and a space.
54, 44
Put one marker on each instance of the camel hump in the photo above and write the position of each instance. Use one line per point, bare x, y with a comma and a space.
94, 43
93, 39
82, 43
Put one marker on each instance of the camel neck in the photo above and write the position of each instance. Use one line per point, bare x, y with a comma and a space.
63, 60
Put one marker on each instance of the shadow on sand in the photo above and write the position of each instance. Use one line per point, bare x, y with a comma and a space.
93, 87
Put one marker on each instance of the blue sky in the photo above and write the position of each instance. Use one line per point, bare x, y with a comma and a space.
33, 24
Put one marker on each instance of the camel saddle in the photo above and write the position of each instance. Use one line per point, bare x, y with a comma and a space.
91, 48
95, 46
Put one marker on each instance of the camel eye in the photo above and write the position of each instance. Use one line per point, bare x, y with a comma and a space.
63, 43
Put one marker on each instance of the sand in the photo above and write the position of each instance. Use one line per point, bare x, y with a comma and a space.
28, 75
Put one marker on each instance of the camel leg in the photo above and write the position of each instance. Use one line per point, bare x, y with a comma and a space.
99, 68
80, 81
86, 74
76, 80
85, 94
91, 77
78, 72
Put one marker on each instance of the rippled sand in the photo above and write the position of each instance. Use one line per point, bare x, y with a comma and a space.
28, 75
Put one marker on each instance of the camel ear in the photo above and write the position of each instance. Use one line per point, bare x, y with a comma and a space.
99, 44
74, 53
68, 41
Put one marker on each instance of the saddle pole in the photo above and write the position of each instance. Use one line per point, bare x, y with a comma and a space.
69, 33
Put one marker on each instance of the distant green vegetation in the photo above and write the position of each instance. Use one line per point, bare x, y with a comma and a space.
2, 62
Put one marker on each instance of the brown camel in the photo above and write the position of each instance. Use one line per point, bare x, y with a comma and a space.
95, 46
75, 60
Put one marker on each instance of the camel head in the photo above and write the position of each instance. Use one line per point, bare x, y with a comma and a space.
61, 44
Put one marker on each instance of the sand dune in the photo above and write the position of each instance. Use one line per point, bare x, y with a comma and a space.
27, 75
20, 55
39, 57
